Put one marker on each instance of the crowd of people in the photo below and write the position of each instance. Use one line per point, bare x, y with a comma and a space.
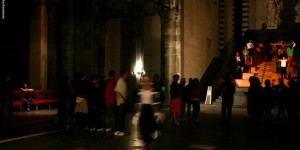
282, 53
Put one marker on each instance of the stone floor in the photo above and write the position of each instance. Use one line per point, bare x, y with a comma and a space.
36, 130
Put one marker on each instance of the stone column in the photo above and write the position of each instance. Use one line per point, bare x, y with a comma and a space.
38, 46
171, 44
66, 39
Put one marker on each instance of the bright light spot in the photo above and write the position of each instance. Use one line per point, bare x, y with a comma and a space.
139, 68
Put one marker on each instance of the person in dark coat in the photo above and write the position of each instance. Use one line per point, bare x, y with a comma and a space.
65, 100
254, 107
227, 91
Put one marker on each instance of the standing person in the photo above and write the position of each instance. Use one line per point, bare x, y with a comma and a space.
245, 52
65, 98
189, 88
6, 101
183, 98
94, 104
283, 65
227, 91
121, 96
281, 94
238, 66
248, 63
291, 105
268, 99
81, 106
250, 47
290, 54
196, 98
110, 98
147, 122
175, 100
254, 107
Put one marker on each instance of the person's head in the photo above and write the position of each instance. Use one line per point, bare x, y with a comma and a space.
190, 80
111, 73
267, 83
94, 79
124, 74
182, 81
146, 83
196, 81
155, 77
25, 85
250, 41
176, 77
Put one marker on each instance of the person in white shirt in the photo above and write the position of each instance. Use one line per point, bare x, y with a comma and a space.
283, 64
250, 47
121, 96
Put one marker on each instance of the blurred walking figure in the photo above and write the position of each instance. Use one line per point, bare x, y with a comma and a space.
227, 91
147, 122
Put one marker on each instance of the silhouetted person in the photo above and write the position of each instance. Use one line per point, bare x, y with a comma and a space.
94, 104
189, 89
6, 101
281, 94
254, 103
291, 105
227, 90
268, 99
65, 98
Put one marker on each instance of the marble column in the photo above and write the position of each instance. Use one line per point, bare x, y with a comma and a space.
171, 28
38, 46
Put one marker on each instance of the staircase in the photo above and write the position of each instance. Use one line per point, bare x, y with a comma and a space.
263, 69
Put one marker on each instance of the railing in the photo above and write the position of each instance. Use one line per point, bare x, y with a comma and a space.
39, 96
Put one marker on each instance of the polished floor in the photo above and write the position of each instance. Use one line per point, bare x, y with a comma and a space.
36, 130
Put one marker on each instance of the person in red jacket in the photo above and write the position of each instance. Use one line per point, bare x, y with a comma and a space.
110, 96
